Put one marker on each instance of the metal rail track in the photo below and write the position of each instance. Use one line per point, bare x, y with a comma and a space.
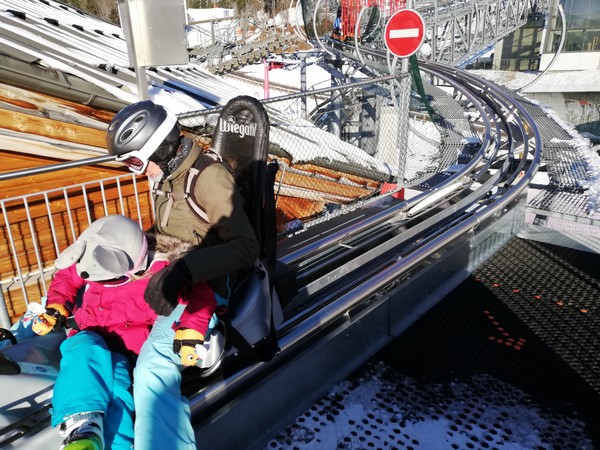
365, 278
361, 269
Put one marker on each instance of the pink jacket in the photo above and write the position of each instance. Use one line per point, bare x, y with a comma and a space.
120, 312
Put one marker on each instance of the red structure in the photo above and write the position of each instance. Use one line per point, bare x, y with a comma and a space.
378, 10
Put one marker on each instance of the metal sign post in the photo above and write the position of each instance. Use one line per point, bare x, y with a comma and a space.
155, 35
404, 34
140, 71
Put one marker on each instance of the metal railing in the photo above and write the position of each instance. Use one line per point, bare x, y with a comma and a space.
36, 227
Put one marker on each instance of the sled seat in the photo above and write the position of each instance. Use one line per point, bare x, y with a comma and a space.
241, 138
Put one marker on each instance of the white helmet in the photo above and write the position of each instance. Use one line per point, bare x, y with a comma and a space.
111, 247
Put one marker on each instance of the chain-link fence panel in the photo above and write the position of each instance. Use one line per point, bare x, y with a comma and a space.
336, 146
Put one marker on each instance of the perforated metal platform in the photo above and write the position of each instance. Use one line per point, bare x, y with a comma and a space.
566, 161
510, 359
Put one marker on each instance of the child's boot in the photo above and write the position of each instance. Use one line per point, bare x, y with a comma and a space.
83, 431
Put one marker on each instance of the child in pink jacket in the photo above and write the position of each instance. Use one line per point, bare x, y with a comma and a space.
109, 267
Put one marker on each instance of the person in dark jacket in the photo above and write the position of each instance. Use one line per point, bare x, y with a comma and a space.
147, 138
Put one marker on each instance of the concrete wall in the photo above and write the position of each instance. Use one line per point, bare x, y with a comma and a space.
581, 109
572, 61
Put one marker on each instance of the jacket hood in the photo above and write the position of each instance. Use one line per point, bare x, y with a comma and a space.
167, 248
189, 159
110, 247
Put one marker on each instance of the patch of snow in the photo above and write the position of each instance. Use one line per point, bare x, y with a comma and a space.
390, 412
290, 16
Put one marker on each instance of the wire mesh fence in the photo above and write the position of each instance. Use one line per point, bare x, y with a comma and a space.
335, 146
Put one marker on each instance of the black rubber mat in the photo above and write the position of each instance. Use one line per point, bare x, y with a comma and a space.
508, 360
529, 317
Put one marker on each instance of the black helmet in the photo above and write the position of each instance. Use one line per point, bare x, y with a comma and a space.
143, 132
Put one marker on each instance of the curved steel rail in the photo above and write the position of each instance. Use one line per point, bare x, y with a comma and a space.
345, 272
490, 186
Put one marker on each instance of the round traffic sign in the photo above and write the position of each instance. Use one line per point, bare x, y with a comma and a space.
404, 33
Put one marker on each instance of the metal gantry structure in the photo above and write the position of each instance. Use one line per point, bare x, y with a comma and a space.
454, 30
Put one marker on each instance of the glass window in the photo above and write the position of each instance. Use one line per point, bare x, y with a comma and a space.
582, 13
555, 42
583, 27
574, 41
590, 40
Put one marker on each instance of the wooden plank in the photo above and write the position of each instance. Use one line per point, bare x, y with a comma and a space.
336, 175
11, 161
331, 187
292, 208
48, 148
43, 105
25, 123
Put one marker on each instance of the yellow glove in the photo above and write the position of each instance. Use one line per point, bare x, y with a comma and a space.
188, 345
54, 318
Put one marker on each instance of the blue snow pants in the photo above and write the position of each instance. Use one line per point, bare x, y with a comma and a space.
163, 419
92, 378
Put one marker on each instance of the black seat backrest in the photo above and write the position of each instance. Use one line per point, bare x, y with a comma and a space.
241, 137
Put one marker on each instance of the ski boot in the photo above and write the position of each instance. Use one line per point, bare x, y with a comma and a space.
84, 431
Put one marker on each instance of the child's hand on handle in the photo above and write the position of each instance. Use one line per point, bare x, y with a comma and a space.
53, 318
188, 345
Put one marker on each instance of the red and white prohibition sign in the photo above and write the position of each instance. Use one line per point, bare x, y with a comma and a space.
404, 33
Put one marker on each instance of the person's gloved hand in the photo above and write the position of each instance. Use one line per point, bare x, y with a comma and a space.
53, 319
188, 345
166, 286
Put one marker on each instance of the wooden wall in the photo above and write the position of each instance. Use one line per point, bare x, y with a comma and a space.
31, 231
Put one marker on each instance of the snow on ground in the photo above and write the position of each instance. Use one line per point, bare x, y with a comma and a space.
423, 147
291, 16
382, 411
176, 102
289, 77
213, 22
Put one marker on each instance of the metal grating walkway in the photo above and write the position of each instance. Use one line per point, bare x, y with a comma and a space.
560, 201
454, 128
518, 338
567, 170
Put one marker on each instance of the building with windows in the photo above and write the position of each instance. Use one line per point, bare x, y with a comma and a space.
581, 47
562, 62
